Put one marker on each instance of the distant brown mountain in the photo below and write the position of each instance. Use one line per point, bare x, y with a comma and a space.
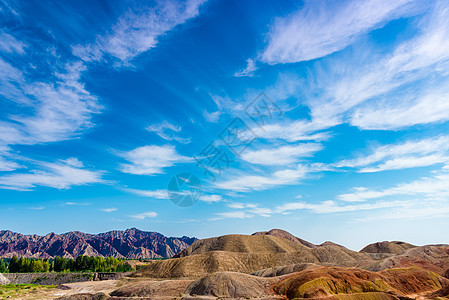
131, 243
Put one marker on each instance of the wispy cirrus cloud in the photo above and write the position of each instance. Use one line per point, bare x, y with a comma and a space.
330, 206
150, 160
109, 210
62, 109
10, 44
378, 90
163, 194
231, 215
138, 31
167, 131
6, 161
158, 194
282, 155
59, 175
144, 215
246, 182
320, 28
284, 92
211, 198
391, 91
433, 187
71, 203
409, 154
248, 70
244, 211
36, 207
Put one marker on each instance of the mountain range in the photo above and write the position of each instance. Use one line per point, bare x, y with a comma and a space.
265, 265
131, 244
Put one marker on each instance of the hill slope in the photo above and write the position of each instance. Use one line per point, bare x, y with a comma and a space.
131, 243
388, 247
286, 235
247, 254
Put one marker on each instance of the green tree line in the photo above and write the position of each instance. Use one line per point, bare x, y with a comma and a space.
61, 264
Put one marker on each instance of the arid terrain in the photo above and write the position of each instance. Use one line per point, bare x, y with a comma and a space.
277, 265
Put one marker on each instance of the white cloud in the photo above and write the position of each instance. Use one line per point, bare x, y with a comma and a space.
245, 210
332, 207
71, 203
163, 194
73, 161
158, 194
248, 183
142, 216
239, 205
427, 106
232, 215
261, 211
211, 117
165, 130
281, 156
8, 165
298, 130
409, 154
283, 92
62, 109
401, 89
377, 89
108, 210
249, 69
435, 187
413, 211
320, 28
211, 198
10, 44
58, 175
37, 208
139, 30
150, 160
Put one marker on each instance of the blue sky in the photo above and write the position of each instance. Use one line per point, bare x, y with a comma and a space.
102, 103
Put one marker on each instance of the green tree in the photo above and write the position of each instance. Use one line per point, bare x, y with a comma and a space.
14, 266
24, 265
3, 267
124, 267
45, 266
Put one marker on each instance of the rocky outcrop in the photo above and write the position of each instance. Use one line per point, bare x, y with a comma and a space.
131, 243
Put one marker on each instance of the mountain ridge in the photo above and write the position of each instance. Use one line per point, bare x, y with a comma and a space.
131, 243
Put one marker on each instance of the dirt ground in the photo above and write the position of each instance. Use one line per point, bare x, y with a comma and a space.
91, 287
